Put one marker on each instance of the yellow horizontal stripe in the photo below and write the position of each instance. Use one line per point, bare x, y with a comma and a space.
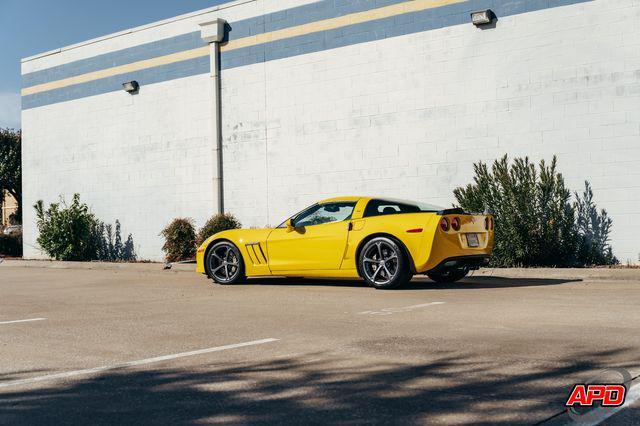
334, 23
312, 27
121, 69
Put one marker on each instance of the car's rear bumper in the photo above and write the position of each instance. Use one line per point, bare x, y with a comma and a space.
472, 261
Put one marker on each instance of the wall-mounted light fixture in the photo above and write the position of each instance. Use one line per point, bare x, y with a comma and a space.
482, 17
131, 87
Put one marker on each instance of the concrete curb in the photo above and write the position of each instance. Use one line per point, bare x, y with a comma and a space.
103, 266
618, 274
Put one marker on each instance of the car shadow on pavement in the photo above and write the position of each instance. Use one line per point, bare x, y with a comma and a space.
488, 282
419, 283
315, 388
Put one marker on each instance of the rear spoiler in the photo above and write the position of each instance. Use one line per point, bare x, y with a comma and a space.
457, 210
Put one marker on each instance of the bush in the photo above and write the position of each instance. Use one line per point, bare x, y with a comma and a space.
11, 245
536, 223
67, 232
219, 222
180, 240
72, 232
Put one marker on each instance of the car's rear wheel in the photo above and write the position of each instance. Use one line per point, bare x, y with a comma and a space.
224, 264
448, 275
383, 264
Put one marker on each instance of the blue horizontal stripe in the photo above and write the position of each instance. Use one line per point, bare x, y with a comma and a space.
247, 27
114, 59
425, 20
408, 23
111, 84
300, 15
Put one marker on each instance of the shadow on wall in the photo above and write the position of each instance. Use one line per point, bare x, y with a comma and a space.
316, 388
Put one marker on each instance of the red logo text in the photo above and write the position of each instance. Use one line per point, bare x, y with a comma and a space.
606, 395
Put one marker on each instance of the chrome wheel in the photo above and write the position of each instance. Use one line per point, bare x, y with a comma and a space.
380, 261
224, 263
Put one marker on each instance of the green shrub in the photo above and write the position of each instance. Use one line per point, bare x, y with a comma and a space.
217, 223
67, 232
535, 219
72, 232
11, 245
180, 240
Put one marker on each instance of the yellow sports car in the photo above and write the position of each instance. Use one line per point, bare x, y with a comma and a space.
382, 240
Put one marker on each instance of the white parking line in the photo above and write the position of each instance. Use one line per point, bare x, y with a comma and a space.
389, 311
23, 320
132, 363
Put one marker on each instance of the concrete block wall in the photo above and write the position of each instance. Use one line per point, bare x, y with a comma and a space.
143, 159
397, 106
408, 116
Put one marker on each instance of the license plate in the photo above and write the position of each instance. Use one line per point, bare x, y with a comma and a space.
472, 240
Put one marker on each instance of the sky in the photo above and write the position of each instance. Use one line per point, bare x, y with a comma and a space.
28, 27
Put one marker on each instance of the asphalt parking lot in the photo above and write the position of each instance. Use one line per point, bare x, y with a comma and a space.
108, 346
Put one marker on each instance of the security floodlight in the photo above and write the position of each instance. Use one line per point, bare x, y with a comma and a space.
482, 17
131, 87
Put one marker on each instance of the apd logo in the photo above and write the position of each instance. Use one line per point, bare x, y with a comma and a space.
606, 395
595, 400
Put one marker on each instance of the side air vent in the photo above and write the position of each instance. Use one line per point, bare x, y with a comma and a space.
256, 254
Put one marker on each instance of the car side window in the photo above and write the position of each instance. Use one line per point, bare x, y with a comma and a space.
325, 213
385, 207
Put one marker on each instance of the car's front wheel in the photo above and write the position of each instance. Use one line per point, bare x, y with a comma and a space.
224, 264
383, 264
448, 275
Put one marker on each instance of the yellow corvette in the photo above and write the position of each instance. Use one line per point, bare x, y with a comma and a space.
384, 241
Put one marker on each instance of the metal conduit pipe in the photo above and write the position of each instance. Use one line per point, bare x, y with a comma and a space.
213, 32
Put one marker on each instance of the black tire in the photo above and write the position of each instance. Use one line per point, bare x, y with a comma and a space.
223, 263
383, 264
448, 275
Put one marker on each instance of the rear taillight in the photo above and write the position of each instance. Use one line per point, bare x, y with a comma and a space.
444, 224
488, 223
455, 223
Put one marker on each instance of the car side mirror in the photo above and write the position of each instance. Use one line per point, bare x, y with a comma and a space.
290, 226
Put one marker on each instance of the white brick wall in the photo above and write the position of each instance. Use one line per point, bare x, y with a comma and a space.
404, 117
408, 116
142, 159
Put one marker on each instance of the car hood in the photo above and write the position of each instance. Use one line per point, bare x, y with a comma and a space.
241, 236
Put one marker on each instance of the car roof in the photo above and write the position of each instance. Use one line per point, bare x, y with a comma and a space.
356, 198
